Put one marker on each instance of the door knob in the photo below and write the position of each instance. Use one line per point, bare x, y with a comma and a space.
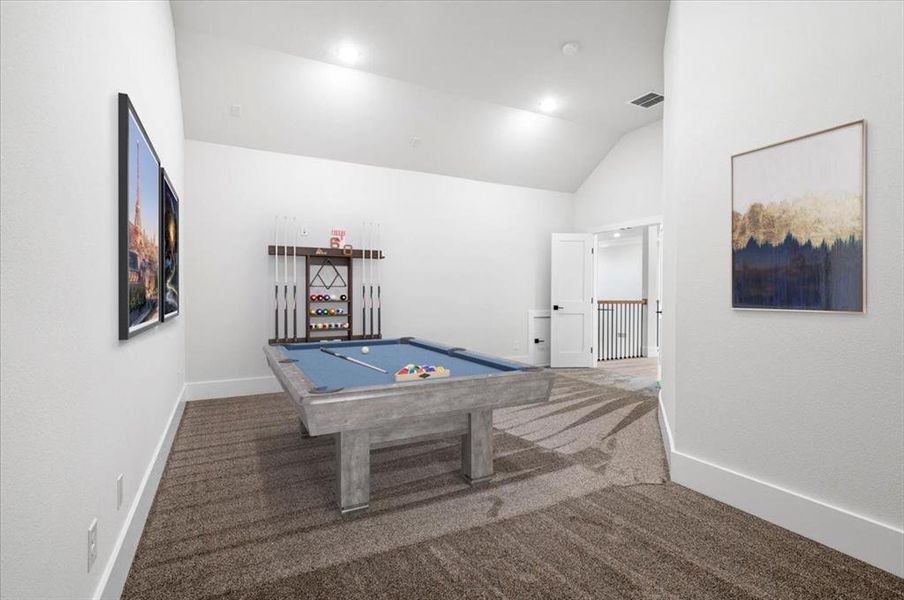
556, 307
538, 340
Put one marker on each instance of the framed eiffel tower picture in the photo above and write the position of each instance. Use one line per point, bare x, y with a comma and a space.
139, 225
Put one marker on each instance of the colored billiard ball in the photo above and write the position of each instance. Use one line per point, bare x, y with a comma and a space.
343, 297
364, 349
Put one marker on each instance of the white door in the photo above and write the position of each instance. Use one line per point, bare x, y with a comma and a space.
571, 322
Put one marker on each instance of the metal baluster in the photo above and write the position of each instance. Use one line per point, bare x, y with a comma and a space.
610, 321
643, 320
631, 336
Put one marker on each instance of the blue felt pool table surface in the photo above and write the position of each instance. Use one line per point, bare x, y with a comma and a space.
331, 372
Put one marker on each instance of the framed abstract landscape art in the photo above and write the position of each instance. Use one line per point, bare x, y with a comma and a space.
169, 238
139, 225
799, 223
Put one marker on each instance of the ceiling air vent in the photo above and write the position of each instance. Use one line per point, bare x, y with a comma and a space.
648, 100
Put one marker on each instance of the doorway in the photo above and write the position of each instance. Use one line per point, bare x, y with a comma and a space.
628, 274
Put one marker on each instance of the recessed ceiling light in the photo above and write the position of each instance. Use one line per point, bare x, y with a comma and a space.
348, 53
548, 104
570, 48
616, 234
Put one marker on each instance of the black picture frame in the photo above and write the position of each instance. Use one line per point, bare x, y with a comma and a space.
139, 263
170, 299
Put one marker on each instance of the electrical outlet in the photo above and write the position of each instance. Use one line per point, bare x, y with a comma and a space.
92, 544
119, 492
516, 345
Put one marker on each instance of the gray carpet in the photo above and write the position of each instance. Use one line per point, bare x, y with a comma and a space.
580, 507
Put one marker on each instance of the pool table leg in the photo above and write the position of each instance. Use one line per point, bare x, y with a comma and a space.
304, 430
353, 470
477, 448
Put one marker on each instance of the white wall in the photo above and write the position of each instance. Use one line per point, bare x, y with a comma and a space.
466, 259
797, 405
79, 407
619, 270
651, 286
627, 184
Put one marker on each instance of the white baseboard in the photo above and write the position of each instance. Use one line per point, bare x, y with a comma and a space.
651, 351
872, 542
113, 579
522, 358
665, 431
227, 388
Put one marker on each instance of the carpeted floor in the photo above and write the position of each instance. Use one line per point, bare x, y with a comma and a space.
580, 508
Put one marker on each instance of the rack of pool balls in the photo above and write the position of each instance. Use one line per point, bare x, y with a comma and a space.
328, 298
411, 372
330, 325
326, 312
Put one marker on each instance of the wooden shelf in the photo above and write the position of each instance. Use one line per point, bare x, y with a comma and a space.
304, 340
324, 252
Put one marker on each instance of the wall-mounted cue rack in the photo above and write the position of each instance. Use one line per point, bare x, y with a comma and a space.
326, 272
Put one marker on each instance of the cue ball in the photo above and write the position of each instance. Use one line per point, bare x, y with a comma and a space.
364, 349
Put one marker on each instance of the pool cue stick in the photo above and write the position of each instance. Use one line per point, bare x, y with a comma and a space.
295, 279
286, 280
363, 286
370, 232
379, 286
354, 360
276, 280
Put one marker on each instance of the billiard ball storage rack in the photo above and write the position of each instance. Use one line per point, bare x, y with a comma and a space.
327, 271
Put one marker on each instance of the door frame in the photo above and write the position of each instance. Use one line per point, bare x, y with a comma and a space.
532, 314
630, 224
641, 222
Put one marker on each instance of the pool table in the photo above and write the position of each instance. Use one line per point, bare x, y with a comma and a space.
364, 408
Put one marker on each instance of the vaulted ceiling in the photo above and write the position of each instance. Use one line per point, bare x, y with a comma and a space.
443, 87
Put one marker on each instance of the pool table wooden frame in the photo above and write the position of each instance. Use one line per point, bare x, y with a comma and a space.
366, 417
